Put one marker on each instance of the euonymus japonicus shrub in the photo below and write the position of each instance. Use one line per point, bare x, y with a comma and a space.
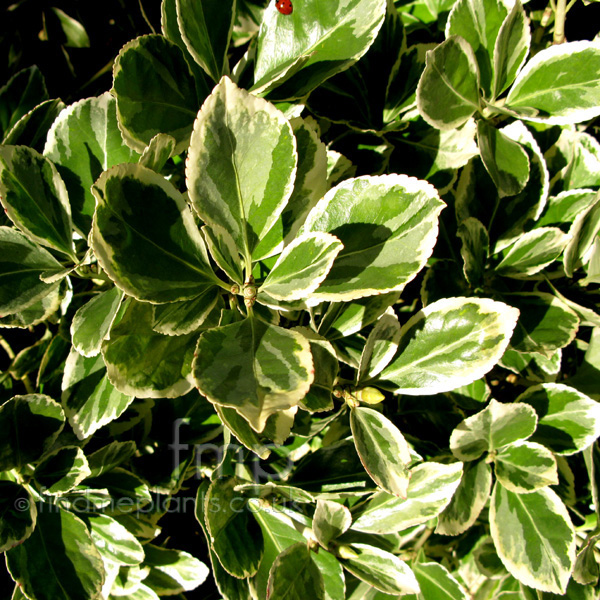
321, 278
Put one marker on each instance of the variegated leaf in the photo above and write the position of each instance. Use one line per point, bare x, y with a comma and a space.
569, 421
468, 501
380, 347
254, 367
559, 85
84, 141
388, 225
145, 237
524, 467
241, 165
534, 537
430, 490
495, 426
302, 266
449, 343
382, 449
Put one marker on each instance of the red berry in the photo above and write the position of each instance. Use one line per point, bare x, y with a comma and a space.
284, 7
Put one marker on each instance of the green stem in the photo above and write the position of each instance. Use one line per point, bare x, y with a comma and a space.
559, 21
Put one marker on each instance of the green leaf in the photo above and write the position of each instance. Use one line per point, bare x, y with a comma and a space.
32, 128
583, 232
510, 49
468, 501
145, 237
144, 363
448, 91
187, 316
534, 537
576, 155
241, 165
235, 536
155, 92
158, 152
35, 198
449, 343
330, 520
504, 159
61, 470
254, 367
84, 141
545, 323
114, 542
51, 294
91, 323
89, 399
430, 490
383, 450
18, 514
559, 85
173, 571
524, 467
294, 575
437, 583
495, 426
381, 569
279, 532
302, 266
23, 92
230, 587
388, 226
29, 425
127, 492
478, 22
74, 32
110, 456
59, 561
532, 252
310, 184
569, 421
206, 28
475, 249
241, 429
286, 54
380, 346
319, 397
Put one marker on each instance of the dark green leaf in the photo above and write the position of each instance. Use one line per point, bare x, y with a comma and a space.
235, 536
295, 576
155, 92
18, 514
59, 561
205, 28
29, 425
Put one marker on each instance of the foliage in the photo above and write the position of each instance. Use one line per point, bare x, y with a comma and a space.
333, 276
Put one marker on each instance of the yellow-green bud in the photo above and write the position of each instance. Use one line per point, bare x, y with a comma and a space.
369, 395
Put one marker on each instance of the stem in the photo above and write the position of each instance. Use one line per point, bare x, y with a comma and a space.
6, 347
559, 21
